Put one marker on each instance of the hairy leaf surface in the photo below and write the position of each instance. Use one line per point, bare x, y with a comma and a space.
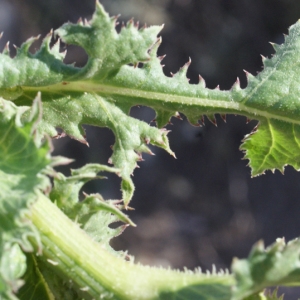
21, 176
93, 213
123, 70
277, 265
102, 92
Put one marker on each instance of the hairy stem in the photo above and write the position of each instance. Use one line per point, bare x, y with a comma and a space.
100, 274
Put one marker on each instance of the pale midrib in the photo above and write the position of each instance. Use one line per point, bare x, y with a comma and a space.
230, 105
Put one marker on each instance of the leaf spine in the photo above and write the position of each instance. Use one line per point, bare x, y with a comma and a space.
212, 119
194, 122
237, 85
6, 49
161, 57
130, 23
153, 48
275, 46
183, 70
203, 120
178, 116
114, 20
249, 76
59, 135
147, 140
140, 157
202, 82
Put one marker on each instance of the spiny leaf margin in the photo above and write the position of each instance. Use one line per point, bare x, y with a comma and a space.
102, 92
93, 214
279, 264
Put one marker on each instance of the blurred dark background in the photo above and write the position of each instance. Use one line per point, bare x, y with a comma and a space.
203, 207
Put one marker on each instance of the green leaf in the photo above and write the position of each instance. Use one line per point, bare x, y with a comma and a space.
277, 265
43, 68
123, 70
13, 266
35, 287
22, 167
108, 50
131, 135
274, 94
273, 145
93, 213
65, 191
102, 92
274, 295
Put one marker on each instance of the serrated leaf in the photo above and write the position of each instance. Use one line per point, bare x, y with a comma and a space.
274, 295
132, 136
107, 49
21, 176
65, 191
274, 93
273, 145
43, 68
276, 265
102, 92
93, 213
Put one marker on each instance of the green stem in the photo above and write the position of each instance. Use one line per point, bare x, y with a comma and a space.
102, 275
